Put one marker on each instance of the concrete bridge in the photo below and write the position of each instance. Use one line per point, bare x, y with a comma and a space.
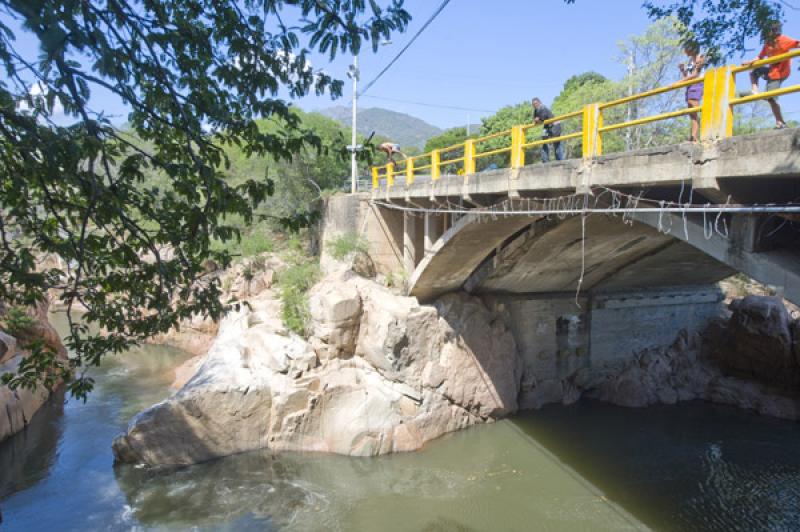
583, 286
639, 286
530, 254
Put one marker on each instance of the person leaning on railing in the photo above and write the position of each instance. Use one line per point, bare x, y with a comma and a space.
775, 43
390, 148
694, 93
551, 130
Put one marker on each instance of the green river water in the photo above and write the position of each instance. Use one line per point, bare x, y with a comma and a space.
588, 466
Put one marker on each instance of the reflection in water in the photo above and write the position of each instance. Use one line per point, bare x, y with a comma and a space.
587, 466
469, 481
26, 458
696, 466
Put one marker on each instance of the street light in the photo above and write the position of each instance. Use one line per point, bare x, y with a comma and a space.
354, 74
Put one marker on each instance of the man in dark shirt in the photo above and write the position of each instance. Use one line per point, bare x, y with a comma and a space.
551, 130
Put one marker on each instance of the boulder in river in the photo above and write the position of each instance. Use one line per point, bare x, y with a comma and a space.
381, 373
18, 406
759, 341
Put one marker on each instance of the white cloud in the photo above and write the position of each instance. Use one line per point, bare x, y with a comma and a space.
38, 91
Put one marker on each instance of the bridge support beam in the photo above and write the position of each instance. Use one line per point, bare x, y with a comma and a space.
413, 241
434, 228
741, 251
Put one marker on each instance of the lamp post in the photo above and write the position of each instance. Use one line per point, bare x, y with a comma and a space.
353, 73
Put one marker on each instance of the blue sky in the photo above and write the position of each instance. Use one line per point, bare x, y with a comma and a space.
482, 55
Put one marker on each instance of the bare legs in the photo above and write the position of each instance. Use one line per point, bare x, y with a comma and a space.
754, 82
773, 103
695, 121
776, 110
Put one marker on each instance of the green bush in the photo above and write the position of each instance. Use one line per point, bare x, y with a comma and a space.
255, 239
17, 322
348, 243
255, 243
293, 283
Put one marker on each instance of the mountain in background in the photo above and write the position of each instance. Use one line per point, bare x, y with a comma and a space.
401, 128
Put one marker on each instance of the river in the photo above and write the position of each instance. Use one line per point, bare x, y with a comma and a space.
588, 466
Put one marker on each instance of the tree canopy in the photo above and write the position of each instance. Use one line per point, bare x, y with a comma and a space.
196, 75
447, 138
721, 27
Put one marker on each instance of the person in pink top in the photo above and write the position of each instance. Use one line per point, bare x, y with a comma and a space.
775, 43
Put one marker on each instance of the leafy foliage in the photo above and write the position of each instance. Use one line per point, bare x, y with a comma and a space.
17, 322
300, 180
344, 245
652, 60
504, 119
196, 75
36, 368
448, 138
294, 281
579, 91
579, 80
721, 27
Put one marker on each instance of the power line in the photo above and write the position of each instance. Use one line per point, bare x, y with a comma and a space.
429, 104
414, 38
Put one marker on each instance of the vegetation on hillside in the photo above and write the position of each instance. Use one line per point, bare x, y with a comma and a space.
346, 244
294, 282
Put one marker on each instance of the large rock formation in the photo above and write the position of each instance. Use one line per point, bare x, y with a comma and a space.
379, 374
759, 341
749, 360
245, 279
17, 407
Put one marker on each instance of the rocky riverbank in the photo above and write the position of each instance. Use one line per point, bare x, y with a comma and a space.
17, 407
380, 373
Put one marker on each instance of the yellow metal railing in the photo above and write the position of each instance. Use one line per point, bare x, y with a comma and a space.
716, 122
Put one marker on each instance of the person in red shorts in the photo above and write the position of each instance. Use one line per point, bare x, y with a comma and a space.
775, 43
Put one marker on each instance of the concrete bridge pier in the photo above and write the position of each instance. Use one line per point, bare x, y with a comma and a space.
413, 241
420, 233
435, 226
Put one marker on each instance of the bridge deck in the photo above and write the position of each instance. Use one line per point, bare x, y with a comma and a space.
774, 154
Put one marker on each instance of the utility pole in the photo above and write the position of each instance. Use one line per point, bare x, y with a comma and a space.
631, 114
354, 140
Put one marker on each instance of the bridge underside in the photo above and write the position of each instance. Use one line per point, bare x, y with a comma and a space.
639, 287
553, 256
602, 253
527, 255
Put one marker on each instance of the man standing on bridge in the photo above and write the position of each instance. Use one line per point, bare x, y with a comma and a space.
774, 44
551, 130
